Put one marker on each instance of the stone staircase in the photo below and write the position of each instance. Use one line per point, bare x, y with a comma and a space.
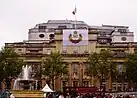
27, 94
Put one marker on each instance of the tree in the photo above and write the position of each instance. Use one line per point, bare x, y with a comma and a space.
100, 65
131, 68
10, 65
54, 67
93, 61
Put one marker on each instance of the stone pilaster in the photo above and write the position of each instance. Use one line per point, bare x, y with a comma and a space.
43, 82
70, 74
3, 85
80, 73
110, 83
58, 84
12, 83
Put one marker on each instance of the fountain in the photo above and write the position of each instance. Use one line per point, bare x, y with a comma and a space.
24, 81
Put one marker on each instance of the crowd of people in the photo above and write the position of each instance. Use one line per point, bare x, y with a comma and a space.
90, 95
105, 96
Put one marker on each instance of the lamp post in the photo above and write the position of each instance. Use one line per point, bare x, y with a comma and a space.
36, 84
92, 84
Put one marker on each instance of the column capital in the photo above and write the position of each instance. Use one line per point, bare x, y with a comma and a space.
80, 62
43, 78
69, 62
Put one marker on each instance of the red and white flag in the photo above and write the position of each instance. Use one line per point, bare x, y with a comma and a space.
74, 12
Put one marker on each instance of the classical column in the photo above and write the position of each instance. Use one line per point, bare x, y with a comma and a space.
43, 82
80, 73
70, 74
92, 81
3, 84
110, 83
12, 83
58, 84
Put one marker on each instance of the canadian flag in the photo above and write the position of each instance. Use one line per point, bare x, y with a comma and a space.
74, 12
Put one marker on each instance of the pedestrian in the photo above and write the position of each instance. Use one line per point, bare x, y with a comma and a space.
12, 96
61, 95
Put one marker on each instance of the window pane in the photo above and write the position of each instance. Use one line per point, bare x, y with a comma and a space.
75, 69
75, 83
64, 83
85, 83
86, 68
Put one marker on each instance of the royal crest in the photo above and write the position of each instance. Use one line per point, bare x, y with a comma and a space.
75, 37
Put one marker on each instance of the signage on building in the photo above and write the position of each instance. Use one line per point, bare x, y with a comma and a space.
75, 37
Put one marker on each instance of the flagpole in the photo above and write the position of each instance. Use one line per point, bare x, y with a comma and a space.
75, 22
74, 13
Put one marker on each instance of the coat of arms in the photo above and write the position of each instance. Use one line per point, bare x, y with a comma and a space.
75, 37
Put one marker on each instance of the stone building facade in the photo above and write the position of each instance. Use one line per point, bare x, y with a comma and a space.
47, 37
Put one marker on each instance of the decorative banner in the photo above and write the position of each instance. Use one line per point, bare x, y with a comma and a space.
75, 37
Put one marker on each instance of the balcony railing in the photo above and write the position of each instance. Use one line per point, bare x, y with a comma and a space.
103, 41
34, 52
104, 36
120, 54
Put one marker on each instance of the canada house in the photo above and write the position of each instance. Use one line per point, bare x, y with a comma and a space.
75, 45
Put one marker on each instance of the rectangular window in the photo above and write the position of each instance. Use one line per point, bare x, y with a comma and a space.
75, 83
48, 51
102, 34
75, 50
85, 83
34, 50
120, 68
62, 27
102, 41
51, 30
86, 67
19, 50
64, 83
75, 69
42, 28
64, 50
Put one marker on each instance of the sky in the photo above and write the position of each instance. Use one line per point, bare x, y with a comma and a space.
18, 16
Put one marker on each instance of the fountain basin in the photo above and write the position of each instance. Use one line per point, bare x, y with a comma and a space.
24, 80
27, 94
25, 84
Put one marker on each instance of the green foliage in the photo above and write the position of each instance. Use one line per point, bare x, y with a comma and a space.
131, 69
53, 66
93, 60
10, 65
100, 65
104, 64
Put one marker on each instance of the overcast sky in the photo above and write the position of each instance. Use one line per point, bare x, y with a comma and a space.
17, 16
